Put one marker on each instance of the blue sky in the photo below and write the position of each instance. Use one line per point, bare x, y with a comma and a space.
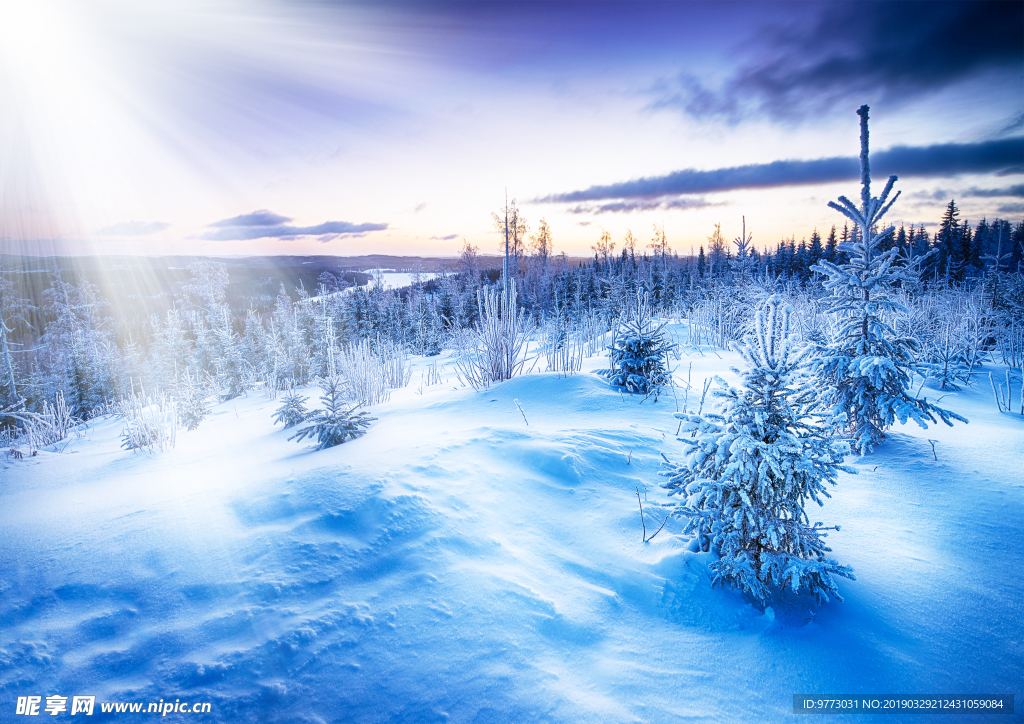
354, 128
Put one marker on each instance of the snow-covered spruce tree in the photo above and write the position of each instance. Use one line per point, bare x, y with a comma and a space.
751, 468
292, 410
337, 422
639, 351
230, 362
192, 407
865, 371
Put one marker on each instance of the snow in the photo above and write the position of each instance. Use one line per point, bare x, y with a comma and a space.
458, 564
396, 280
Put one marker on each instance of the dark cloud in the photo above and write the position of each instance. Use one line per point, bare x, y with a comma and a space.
1011, 209
133, 228
628, 206
943, 194
1005, 155
256, 218
445, 238
1016, 190
880, 51
948, 159
265, 224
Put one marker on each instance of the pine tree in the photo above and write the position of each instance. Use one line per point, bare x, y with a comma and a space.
292, 410
801, 263
192, 407
745, 262
77, 351
230, 361
866, 371
750, 469
14, 314
639, 352
337, 422
901, 241
947, 241
830, 245
814, 250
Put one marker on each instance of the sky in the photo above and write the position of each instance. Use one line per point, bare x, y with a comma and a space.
220, 127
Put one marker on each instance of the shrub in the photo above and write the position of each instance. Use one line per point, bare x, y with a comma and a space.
292, 411
336, 423
148, 425
495, 350
639, 351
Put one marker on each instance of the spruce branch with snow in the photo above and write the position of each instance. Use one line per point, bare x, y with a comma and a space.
866, 371
337, 422
750, 469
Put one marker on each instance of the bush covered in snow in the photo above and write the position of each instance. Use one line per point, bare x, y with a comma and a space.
750, 469
192, 404
149, 424
495, 348
639, 351
292, 410
337, 422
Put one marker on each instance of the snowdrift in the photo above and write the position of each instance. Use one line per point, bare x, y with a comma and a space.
467, 561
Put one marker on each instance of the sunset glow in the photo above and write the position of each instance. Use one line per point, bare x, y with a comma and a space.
397, 128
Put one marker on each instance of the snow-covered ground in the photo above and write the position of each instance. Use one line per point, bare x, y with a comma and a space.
396, 280
458, 564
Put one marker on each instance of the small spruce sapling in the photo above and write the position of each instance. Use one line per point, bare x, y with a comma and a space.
639, 351
292, 410
750, 469
866, 371
337, 422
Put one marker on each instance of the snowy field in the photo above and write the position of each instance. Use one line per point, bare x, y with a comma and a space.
458, 564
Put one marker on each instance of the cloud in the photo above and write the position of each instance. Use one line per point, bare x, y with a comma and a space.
1011, 209
256, 218
952, 159
265, 224
133, 228
948, 159
1014, 124
625, 206
936, 195
891, 51
944, 194
1016, 190
419, 207
445, 238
